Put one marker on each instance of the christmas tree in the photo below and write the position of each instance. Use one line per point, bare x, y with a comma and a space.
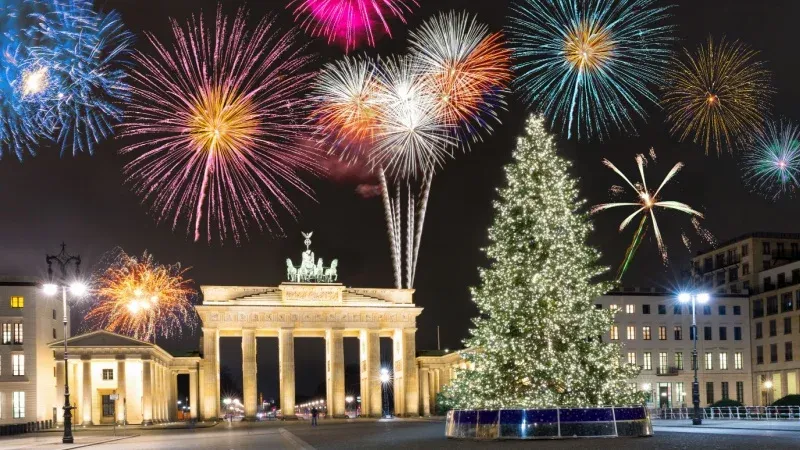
537, 341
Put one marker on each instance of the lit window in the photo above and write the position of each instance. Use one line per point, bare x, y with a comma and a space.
6, 333
662, 333
648, 361
737, 360
663, 362
646, 333
18, 365
108, 374
679, 360
613, 308
18, 333
723, 361
631, 357
630, 309
709, 361
18, 405
614, 332
631, 332
17, 302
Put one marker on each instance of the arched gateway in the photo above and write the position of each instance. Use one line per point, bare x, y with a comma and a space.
310, 309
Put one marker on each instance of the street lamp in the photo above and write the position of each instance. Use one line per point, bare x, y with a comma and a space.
385, 377
768, 387
77, 289
694, 298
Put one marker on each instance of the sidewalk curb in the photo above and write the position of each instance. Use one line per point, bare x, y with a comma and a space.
702, 427
104, 442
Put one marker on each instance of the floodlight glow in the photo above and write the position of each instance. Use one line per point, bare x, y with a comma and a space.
78, 289
703, 297
683, 297
50, 289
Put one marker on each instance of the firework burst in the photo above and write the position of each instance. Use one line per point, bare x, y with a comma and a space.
717, 95
217, 118
468, 68
350, 21
587, 63
647, 201
141, 298
772, 163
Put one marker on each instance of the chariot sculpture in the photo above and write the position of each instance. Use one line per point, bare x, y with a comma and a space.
308, 271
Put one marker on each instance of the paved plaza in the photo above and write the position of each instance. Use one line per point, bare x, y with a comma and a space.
402, 434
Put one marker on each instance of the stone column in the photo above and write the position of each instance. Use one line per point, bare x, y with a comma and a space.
406, 384
399, 385
334, 370
426, 392
59, 401
173, 395
86, 404
156, 396
121, 389
434, 377
370, 345
193, 394
209, 375
286, 357
249, 373
147, 392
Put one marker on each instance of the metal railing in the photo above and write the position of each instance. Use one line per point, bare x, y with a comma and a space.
730, 413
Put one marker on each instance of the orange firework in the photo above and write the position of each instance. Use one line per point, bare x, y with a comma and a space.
141, 298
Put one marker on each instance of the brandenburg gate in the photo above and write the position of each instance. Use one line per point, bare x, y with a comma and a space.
311, 304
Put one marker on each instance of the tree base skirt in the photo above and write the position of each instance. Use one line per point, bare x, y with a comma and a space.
549, 423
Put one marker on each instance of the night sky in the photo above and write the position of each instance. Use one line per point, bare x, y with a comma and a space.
82, 200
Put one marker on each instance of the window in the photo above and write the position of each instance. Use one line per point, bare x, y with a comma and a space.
760, 354
679, 360
721, 310
773, 353
646, 333
720, 278
745, 269
691, 333
18, 365
708, 264
737, 333
598, 306
706, 310
795, 274
54, 333
663, 361
677, 310
720, 260
773, 328
737, 310
18, 333
630, 309
781, 280
780, 248
648, 363
108, 374
17, 302
787, 325
795, 248
645, 309
18, 405
759, 330
737, 360
632, 358
709, 361
740, 391
723, 333
745, 249
786, 302
6, 333
680, 394
733, 274
631, 332
710, 392
678, 332
614, 308
662, 333
758, 308
662, 309
765, 248
772, 305
614, 332
707, 333
723, 361
54, 314
788, 351
725, 390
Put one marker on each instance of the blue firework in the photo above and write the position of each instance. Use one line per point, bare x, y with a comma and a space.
772, 164
588, 64
84, 55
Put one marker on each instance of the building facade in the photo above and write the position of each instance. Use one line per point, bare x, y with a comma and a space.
29, 321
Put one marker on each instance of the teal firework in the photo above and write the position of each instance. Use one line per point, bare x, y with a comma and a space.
772, 164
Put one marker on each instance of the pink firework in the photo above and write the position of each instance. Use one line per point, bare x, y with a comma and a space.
217, 119
350, 21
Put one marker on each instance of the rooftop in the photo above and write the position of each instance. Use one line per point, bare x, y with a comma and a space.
755, 234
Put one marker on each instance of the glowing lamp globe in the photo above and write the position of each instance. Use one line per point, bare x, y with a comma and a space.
683, 297
50, 289
703, 297
78, 289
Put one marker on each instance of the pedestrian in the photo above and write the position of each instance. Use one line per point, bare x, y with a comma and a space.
314, 414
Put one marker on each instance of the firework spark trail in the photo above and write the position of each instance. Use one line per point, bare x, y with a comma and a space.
349, 21
772, 163
141, 298
719, 95
587, 63
647, 202
638, 236
218, 119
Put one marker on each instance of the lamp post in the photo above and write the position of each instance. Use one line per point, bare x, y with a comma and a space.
385, 377
768, 387
348, 400
78, 289
694, 298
